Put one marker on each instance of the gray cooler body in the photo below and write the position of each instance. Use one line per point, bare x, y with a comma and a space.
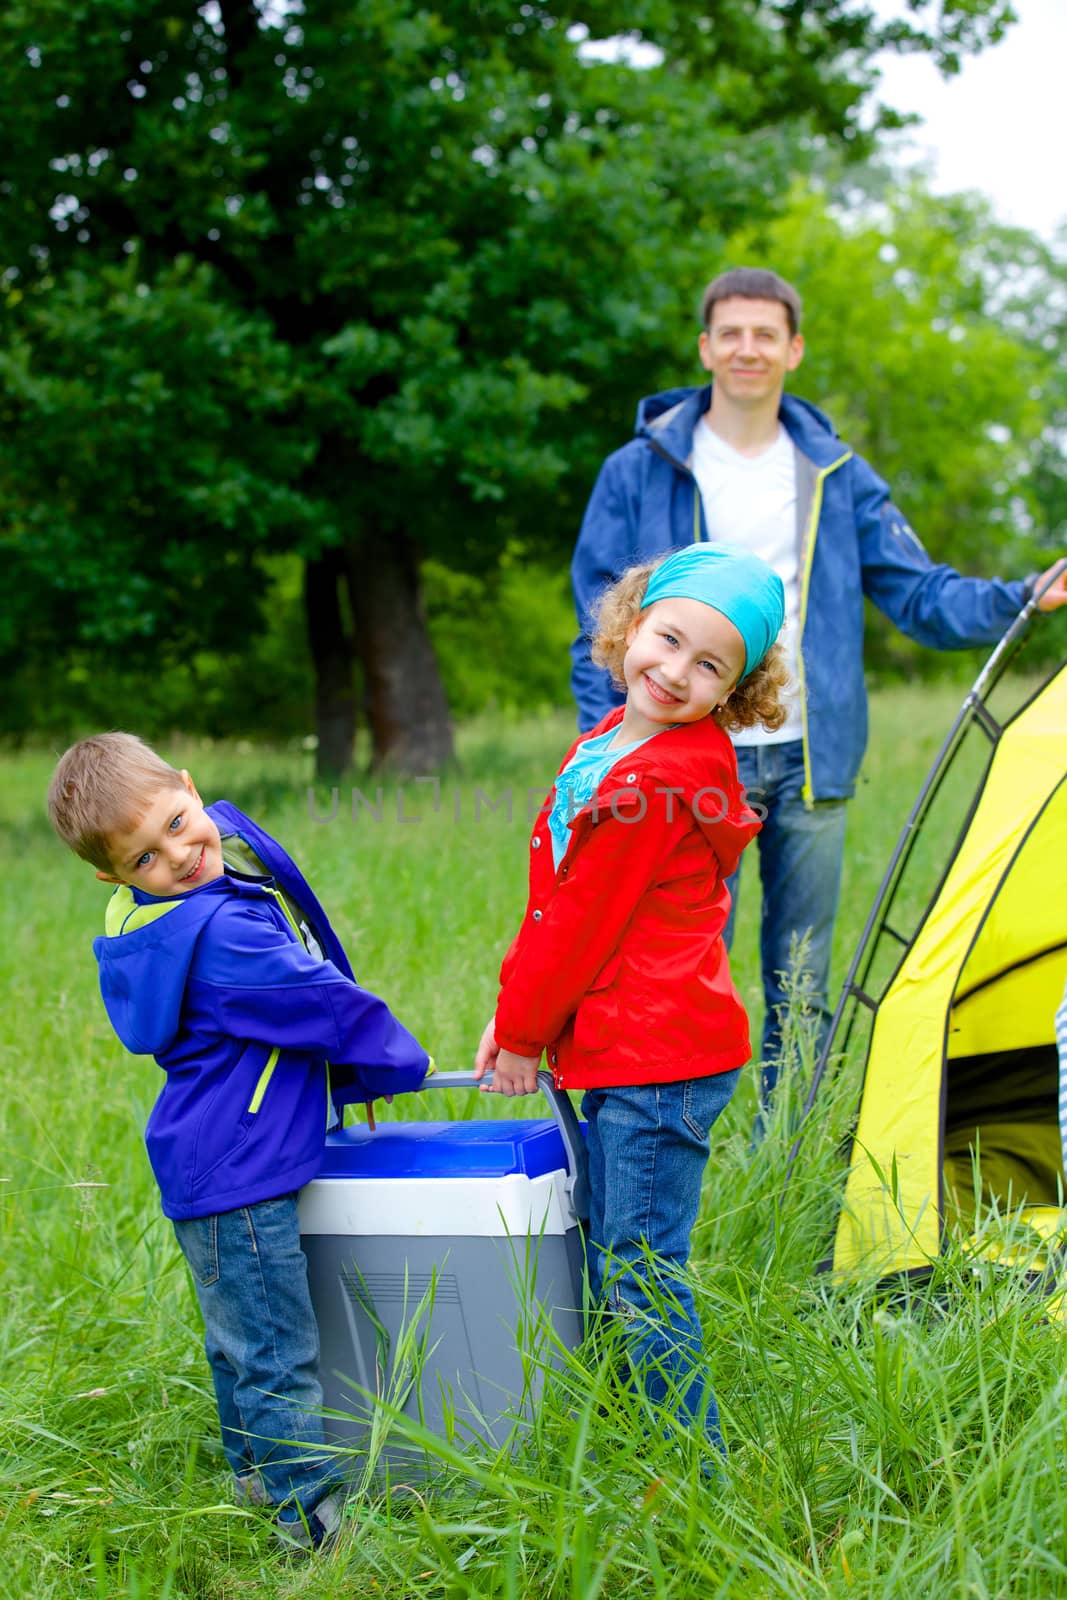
446, 1266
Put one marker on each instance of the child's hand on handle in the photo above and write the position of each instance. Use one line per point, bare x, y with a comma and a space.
512, 1074
487, 1051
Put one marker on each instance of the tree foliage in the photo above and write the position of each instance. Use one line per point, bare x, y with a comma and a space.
150, 461
920, 317
364, 281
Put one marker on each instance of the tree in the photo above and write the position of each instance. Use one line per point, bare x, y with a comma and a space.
932, 341
452, 240
128, 414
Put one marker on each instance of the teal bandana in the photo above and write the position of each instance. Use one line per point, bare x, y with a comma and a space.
734, 582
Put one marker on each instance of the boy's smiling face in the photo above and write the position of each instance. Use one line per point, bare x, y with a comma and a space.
173, 847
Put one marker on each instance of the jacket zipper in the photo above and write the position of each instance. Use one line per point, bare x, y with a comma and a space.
810, 536
261, 1087
263, 1080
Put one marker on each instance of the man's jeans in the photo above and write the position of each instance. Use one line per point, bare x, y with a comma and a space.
801, 852
647, 1148
262, 1344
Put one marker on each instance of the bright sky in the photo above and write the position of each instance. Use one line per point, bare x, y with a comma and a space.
1000, 125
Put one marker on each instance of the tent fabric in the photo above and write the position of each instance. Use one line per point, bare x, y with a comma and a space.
983, 976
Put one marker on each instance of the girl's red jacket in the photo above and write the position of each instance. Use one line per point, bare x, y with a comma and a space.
619, 970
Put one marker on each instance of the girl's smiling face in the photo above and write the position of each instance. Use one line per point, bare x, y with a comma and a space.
174, 846
682, 660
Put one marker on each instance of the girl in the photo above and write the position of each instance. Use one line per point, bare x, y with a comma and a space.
619, 970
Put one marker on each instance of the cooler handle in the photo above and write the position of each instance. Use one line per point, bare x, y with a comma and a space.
577, 1184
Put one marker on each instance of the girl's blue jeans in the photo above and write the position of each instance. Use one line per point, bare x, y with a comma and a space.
647, 1149
262, 1344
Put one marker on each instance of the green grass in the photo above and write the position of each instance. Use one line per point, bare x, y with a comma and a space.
883, 1450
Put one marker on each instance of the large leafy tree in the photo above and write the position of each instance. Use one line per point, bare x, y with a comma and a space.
363, 280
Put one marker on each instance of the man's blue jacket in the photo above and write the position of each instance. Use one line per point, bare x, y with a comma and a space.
852, 541
217, 984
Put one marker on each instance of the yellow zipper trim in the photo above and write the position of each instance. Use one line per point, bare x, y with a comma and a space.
277, 893
264, 1079
696, 512
268, 1070
810, 535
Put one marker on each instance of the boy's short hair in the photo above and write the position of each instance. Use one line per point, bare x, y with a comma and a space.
752, 283
100, 787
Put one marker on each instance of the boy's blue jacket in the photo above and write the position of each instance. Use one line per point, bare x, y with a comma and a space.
852, 541
218, 986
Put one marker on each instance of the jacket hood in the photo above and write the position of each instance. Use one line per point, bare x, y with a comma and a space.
144, 957
667, 421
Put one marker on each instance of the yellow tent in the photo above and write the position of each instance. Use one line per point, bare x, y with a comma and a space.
961, 1067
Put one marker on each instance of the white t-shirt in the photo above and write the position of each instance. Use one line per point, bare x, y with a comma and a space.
752, 500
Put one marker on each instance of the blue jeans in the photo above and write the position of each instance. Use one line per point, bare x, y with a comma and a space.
262, 1344
647, 1148
801, 852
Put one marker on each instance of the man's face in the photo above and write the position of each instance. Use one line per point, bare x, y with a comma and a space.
172, 848
748, 349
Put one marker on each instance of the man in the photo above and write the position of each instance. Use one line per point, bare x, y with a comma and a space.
739, 461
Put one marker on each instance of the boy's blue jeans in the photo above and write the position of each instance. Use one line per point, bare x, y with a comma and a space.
647, 1148
801, 852
262, 1344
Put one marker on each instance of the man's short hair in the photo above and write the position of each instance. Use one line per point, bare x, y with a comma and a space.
102, 786
752, 283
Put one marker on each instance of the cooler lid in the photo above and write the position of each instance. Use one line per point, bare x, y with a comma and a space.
444, 1150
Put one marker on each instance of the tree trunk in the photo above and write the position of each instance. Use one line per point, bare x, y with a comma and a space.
405, 698
333, 655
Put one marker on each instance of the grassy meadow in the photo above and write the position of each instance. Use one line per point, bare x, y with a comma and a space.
875, 1449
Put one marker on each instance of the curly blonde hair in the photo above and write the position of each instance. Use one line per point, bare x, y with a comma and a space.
759, 699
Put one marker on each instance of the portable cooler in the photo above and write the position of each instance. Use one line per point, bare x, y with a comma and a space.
446, 1264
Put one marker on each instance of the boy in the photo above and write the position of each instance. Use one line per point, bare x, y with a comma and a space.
218, 960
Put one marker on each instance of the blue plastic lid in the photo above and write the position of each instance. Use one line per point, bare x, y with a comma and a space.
444, 1150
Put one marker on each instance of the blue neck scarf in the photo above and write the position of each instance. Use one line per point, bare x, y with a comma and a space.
734, 582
